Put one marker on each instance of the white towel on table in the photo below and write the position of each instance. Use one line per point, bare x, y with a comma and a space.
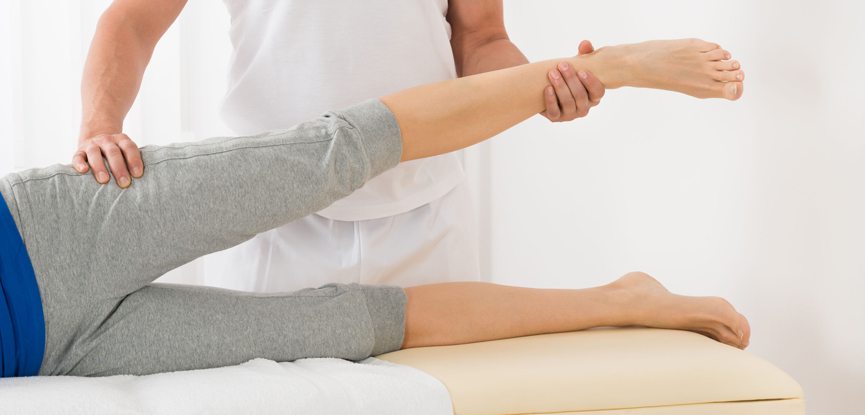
307, 386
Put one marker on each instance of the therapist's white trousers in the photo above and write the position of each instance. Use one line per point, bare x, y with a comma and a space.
436, 242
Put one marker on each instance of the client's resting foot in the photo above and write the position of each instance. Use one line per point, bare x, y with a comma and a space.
690, 66
654, 306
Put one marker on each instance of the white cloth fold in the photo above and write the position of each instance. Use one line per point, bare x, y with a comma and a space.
307, 386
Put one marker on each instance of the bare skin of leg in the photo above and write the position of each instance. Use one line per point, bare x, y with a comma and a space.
457, 313
450, 115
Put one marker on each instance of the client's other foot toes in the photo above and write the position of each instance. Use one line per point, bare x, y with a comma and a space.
722, 335
745, 331
716, 318
652, 305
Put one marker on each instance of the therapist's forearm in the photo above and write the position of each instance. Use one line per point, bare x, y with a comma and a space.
112, 76
495, 54
450, 115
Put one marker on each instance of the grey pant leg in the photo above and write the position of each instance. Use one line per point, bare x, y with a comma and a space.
93, 245
163, 328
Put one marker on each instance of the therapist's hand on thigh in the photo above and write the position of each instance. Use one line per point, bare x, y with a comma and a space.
571, 93
118, 150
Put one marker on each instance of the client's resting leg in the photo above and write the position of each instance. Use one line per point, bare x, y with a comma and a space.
455, 313
163, 328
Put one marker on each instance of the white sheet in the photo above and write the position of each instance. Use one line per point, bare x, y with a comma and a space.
308, 386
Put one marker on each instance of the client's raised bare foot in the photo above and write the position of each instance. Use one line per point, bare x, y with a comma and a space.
690, 66
653, 306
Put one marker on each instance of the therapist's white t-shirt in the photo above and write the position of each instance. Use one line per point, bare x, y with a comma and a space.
296, 59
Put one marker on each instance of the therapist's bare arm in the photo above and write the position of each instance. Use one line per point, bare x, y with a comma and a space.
447, 116
481, 43
122, 46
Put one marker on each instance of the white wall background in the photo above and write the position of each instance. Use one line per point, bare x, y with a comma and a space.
760, 201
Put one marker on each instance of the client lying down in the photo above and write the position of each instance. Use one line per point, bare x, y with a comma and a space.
77, 258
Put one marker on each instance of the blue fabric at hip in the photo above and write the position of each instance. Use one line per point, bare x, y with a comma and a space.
22, 324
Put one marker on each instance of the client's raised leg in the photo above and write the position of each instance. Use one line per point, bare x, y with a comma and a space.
454, 114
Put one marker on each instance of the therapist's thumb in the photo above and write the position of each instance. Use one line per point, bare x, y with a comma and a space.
586, 47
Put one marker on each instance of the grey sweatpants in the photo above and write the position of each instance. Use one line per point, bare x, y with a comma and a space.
97, 248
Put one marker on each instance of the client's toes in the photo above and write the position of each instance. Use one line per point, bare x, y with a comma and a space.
717, 55
730, 90
727, 65
733, 90
729, 76
704, 46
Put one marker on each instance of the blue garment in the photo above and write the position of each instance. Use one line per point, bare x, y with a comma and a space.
22, 324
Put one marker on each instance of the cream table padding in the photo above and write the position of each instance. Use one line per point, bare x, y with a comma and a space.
611, 370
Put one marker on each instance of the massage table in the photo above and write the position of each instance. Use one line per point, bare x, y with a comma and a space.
608, 371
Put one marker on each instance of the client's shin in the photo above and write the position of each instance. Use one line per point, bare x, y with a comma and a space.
95, 250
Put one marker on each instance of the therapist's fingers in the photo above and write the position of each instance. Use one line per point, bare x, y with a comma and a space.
577, 90
97, 166
116, 150
553, 112
594, 87
566, 100
79, 161
117, 164
586, 47
133, 157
